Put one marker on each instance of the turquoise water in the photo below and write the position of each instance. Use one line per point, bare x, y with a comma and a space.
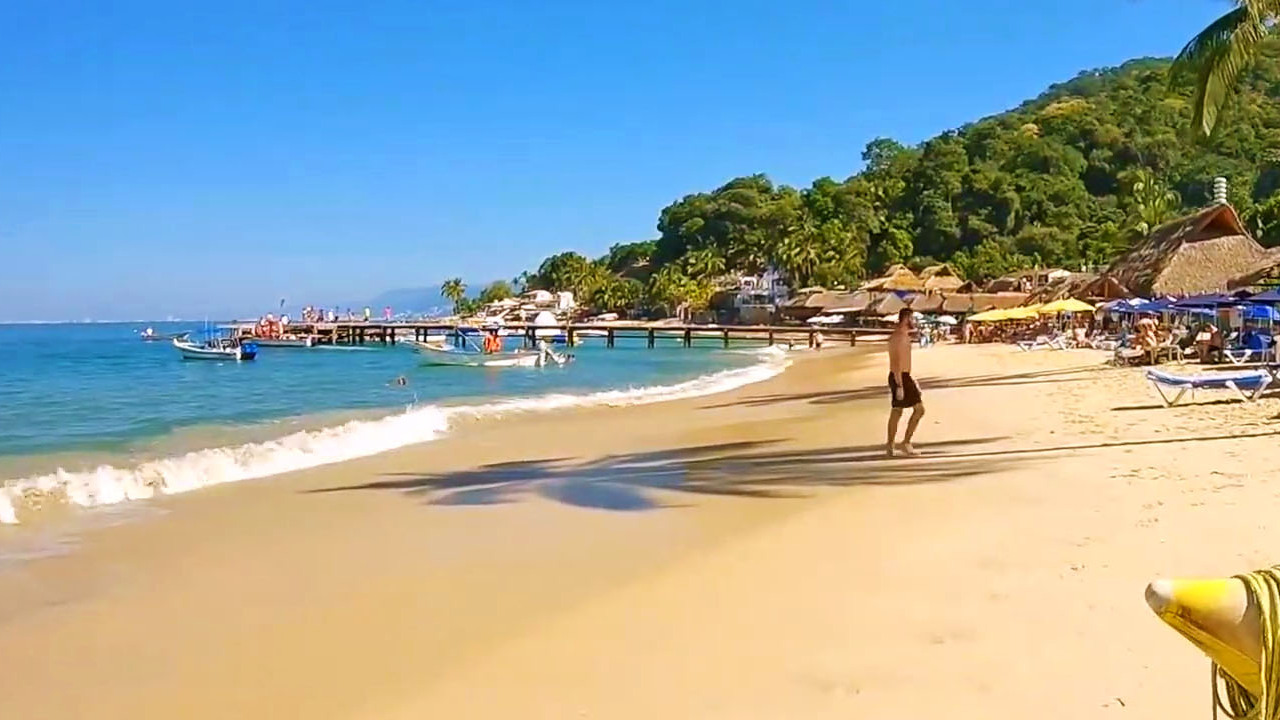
76, 397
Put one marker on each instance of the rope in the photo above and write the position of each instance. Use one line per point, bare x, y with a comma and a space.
1263, 587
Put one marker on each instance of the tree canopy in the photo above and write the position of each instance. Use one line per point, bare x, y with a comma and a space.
1069, 179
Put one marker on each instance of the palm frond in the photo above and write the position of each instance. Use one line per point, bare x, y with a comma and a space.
1218, 55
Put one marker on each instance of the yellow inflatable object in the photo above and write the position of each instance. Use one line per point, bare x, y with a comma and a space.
1217, 616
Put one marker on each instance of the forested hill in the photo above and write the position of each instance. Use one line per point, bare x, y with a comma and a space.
1069, 178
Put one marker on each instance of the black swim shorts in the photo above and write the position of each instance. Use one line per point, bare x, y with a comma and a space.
910, 391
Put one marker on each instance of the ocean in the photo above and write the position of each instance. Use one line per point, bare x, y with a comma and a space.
90, 415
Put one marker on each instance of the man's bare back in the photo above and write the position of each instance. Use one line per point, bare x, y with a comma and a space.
904, 393
900, 350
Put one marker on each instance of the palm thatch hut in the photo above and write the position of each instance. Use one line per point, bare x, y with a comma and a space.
817, 301
997, 301
1026, 280
887, 305
1089, 287
926, 303
1264, 274
897, 277
958, 303
940, 278
1200, 253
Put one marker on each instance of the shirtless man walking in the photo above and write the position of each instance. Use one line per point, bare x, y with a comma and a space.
903, 389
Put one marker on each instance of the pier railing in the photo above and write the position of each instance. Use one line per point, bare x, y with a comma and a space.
360, 332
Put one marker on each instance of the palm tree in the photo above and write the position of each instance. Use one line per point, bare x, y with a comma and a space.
1151, 203
1219, 53
454, 290
705, 263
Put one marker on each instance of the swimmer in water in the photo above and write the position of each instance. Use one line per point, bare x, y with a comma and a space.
402, 381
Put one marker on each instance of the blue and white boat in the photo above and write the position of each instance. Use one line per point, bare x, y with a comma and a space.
216, 348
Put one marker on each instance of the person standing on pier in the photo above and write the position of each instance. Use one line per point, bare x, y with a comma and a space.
902, 387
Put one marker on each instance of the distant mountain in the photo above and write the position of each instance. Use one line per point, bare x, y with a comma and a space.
411, 300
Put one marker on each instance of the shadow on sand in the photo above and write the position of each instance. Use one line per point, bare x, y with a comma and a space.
629, 482
830, 397
745, 469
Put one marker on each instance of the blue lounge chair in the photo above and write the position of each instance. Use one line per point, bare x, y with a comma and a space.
1252, 345
1249, 385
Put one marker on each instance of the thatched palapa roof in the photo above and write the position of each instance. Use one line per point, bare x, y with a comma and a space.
1200, 253
927, 303
818, 301
940, 278
887, 305
1089, 287
958, 303
897, 277
997, 301
1263, 273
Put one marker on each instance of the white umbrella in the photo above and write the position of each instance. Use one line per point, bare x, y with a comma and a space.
826, 319
547, 324
946, 320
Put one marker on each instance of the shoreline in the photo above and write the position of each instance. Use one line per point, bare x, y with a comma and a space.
165, 472
743, 554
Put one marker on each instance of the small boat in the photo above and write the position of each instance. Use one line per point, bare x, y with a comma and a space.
216, 348
304, 341
436, 354
150, 335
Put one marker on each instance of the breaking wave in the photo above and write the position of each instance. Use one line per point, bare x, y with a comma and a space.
109, 485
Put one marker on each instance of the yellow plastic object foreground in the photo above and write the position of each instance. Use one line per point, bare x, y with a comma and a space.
1218, 618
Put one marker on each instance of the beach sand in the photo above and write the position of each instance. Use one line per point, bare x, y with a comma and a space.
742, 555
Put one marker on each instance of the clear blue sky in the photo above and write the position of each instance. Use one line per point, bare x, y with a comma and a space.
160, 158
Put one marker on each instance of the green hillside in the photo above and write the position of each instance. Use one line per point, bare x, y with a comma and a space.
1069, 178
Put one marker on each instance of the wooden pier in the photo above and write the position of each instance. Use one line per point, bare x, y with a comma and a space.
387, 333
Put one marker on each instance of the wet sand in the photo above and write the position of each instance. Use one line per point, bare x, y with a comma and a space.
742, 555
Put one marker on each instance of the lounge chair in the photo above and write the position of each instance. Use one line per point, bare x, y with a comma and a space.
1167, 349
1248, 384
1255, 346
1056, 342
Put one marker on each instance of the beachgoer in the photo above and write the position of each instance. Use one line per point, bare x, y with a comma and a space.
904, 393
492, 343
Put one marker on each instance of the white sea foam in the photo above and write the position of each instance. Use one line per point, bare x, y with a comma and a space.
108, 485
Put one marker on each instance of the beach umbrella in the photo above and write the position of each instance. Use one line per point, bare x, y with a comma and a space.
1261, 312
826, 319
547, 325
1068, 305
989, 316
1023, 313
946, 320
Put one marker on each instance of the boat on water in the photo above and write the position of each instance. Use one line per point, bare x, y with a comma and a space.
437, 354
297, 341
150, 335
216, 348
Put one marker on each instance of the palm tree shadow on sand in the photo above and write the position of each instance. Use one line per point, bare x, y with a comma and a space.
652, 480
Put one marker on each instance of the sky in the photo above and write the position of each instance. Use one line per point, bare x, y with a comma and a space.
196, 159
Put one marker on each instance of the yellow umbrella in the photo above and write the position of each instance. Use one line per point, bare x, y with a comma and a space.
1023, 313
1068, 305
988, 316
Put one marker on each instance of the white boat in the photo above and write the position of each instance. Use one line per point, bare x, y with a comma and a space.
225, 348
304, 341
436, 354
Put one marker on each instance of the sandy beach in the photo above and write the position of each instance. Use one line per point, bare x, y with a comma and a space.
742, 555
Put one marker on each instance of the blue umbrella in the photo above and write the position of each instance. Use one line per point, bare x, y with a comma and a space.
1261, 312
